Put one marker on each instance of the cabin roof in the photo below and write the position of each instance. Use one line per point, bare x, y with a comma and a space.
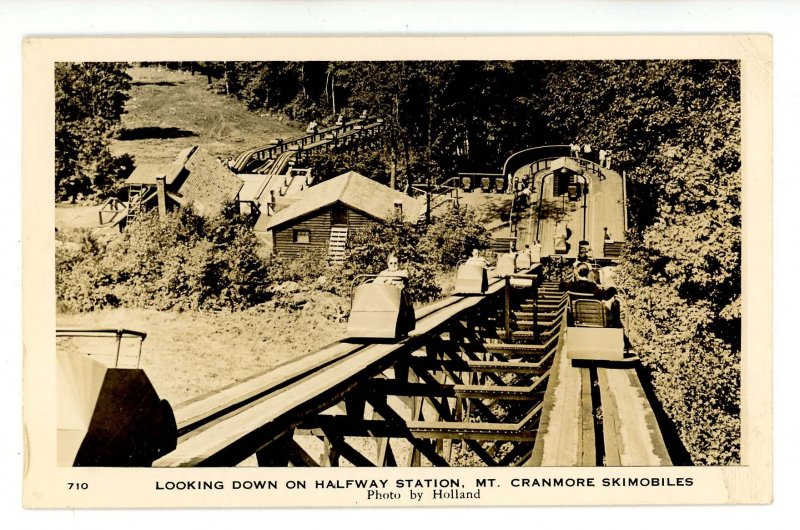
353, 190
210, 184
205, 181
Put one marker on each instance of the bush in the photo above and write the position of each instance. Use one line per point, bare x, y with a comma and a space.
368, 250
181, 262
452, 237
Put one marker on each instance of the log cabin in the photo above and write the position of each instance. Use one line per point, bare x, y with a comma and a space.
321, 217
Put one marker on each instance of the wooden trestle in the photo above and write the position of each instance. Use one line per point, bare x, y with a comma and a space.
453, 393
483, 380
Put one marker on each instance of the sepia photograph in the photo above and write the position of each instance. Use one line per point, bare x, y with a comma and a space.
533, 264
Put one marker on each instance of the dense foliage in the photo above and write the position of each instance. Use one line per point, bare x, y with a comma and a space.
674, 127
441, 116
181, 262
89, 101
423, 251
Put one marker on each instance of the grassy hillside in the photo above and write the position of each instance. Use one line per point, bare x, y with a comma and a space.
169, 111
187, 354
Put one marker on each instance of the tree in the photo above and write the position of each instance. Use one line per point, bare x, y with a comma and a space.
90, 100
452, 237
674, 127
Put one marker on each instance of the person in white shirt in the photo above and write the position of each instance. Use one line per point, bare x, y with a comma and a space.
393, 274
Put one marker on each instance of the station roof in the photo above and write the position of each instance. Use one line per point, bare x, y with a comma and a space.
195, 176
566, 163
147, 173
209, 184
353, 190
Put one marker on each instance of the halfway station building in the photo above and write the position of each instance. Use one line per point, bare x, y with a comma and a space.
321, 217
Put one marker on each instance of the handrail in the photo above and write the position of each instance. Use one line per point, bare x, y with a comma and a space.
117, 334
300, 142
79, 332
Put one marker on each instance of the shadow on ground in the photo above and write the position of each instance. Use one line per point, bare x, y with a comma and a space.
153, 83
156, 133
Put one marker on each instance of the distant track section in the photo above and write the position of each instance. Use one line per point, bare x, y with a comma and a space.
268, 159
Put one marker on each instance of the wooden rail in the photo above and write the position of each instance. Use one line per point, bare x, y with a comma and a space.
322, 138
265, 414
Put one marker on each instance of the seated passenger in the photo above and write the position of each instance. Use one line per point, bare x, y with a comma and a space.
609, 297
477, 259
582, 283
584, 260
393, 274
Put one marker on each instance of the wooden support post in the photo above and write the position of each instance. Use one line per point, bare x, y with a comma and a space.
330, 456
354, 404
507, 308
385, 456
276, 454
161, 192
298, 456
342, 448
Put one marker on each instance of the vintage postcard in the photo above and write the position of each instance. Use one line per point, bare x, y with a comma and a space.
462, 271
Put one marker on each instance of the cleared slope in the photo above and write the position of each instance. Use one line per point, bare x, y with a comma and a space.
169, 111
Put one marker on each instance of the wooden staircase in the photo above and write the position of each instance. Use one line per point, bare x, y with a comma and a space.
338, 242
612, 249
137, 195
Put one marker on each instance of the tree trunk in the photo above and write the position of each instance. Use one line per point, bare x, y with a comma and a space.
393, 171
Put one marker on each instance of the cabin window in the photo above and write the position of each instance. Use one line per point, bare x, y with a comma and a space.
339, 216
301, 236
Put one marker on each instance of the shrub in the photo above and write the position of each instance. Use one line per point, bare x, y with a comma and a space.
369, 248
452, 237
181, 262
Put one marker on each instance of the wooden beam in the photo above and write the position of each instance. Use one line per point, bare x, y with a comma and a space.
523, 393
588, 452
298, 457
275, 454
523, 349
343, 449
394, 388
507, 367
471, 431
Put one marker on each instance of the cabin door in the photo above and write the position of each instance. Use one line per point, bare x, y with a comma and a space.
339, 216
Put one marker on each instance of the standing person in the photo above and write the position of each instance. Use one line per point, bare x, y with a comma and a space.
607, 235
587, 151
511, 184
574, 150
536, 252
601, 157
608, 159
526, 193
